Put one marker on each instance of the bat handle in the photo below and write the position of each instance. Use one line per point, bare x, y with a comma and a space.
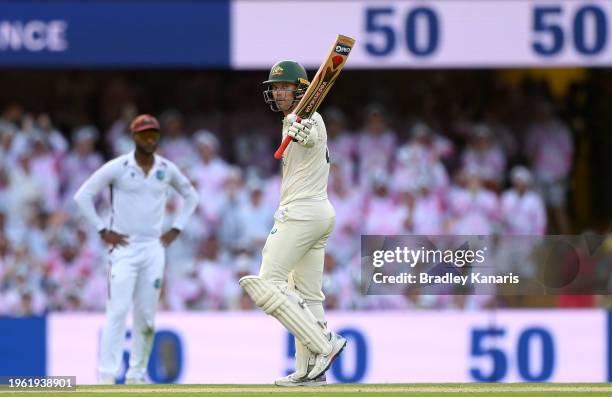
281, 149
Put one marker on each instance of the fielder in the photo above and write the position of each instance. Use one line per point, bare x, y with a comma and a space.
290, 279
139, 182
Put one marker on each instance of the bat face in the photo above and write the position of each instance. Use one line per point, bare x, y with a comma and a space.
321, 83
325, 77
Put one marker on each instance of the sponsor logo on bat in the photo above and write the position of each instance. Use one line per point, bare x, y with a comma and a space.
343, 49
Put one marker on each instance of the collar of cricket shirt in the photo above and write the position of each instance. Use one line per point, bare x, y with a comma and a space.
157, 162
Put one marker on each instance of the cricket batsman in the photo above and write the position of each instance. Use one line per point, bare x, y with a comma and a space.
139, 183
290, 279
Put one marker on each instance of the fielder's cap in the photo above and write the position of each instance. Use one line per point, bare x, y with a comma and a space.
144, 122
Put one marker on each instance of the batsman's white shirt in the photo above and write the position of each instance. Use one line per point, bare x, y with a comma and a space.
138, 201
305, 174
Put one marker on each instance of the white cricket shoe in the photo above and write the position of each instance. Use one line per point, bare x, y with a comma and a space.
135, 381
324, 361
292, 380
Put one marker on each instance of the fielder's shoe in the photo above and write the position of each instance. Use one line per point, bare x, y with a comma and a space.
292, 380
322, 361
106, 379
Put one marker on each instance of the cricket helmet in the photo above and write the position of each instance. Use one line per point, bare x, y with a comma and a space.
286, 72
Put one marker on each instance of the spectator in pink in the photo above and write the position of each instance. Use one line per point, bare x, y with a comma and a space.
473, 209
375, 144
486, 155
80, 162
209, 172
348, 203
175, 145
383, 215
522, 209
342, 143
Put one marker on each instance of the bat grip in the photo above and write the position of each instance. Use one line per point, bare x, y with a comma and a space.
281, 149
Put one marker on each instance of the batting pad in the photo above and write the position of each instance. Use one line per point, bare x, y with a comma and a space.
288, 308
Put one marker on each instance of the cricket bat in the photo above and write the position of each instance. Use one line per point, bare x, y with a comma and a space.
321, 83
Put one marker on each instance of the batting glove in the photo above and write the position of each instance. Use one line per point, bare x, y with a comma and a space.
301, 130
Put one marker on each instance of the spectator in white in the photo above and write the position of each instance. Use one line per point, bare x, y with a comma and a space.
139, 183
382, 214
523, 213
434, 146
341, 142
425, 209
45, 166
256, 216
70, 265
25, 194
229, 218
214, 273
550, 150
80, 162
176, 146
209, 172
473, 208
415, 163
522, 209
181, 253
7, 134
272, 187
42, 130
118, 135
24, 297
338, 285
348, 203
54, 138
486, 155
375, 143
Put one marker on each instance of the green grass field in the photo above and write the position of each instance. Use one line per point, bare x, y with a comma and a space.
338, 390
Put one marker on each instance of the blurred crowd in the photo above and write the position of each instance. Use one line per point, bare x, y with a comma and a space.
391, 174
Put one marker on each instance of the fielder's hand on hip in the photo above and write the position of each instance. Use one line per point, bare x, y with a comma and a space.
169, 237
301, 130
113, 239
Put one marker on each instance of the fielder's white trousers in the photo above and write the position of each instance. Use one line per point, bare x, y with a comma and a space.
135, 274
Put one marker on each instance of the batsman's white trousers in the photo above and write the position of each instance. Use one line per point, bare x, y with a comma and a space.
296, 250
135, 274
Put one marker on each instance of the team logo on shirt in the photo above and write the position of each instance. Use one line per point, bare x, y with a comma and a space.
160, 175
273, 231
157, 283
